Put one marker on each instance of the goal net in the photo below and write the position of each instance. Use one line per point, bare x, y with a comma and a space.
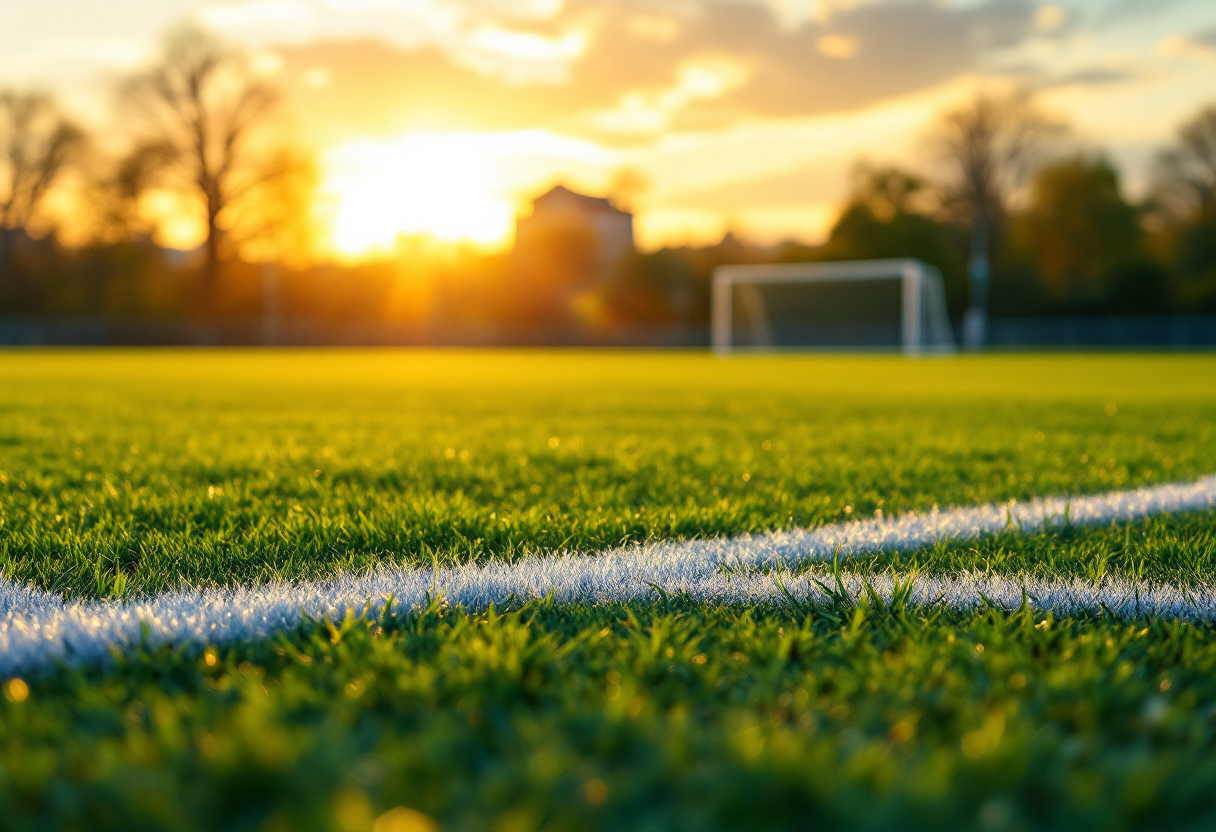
851, 305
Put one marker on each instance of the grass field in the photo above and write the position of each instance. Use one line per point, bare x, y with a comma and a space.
128, 473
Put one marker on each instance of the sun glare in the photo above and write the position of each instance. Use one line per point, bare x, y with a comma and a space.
419, 184
455, 187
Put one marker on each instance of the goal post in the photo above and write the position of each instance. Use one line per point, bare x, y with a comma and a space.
895, 304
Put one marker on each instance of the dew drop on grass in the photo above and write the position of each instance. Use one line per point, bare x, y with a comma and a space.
16, 690
596, 792
404, 819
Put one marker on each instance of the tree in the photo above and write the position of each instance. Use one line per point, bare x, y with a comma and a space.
36, 143
113, 193
888, 191
201, 109
1185, 191
1185, 175
989, 147
889, 215
1084, 240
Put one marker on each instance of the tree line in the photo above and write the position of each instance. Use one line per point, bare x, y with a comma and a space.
195, 124
1046, 221
1020, 219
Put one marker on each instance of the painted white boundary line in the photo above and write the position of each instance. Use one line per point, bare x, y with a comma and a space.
38, 630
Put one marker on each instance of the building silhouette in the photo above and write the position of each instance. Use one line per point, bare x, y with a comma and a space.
572, 239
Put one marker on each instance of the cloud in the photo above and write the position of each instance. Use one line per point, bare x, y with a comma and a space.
628, 69
1047, 18
1122, 11
1090, 77
794, 186
837, 46
1200, 45
1035, 76
892, 49
408, 24
1204, 39
378, 89
257, 14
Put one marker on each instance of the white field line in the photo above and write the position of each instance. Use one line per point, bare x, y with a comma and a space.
38, 630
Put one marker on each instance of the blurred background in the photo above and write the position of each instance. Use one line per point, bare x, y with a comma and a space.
570, 172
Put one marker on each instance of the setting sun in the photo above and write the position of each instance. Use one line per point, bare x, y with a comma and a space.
455, 187
419, 184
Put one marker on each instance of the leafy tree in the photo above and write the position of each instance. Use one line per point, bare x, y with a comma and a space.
889, 214
1084, 241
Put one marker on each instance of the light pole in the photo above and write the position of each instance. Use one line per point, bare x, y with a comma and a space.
975, 319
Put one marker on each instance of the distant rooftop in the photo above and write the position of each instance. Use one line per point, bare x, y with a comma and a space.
561, 196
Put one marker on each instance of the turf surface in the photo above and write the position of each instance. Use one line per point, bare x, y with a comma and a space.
655, 717
126, 473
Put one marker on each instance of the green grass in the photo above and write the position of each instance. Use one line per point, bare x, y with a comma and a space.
1177, 549
675, 717
172, 468
212, 468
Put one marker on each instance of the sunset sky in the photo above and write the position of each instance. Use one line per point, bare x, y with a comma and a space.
444, 116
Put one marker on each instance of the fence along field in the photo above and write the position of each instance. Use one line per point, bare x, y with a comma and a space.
127, 475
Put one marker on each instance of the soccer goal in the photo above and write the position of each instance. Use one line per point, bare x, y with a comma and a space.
851, 305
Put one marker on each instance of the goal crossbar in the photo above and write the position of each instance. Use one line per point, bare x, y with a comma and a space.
921, 292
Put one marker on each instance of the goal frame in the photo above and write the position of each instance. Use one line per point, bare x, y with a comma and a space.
914, 276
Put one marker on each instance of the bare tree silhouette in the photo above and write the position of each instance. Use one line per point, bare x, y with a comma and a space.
1185, 174
990, 147
36, 142
1184, 203
200, 109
